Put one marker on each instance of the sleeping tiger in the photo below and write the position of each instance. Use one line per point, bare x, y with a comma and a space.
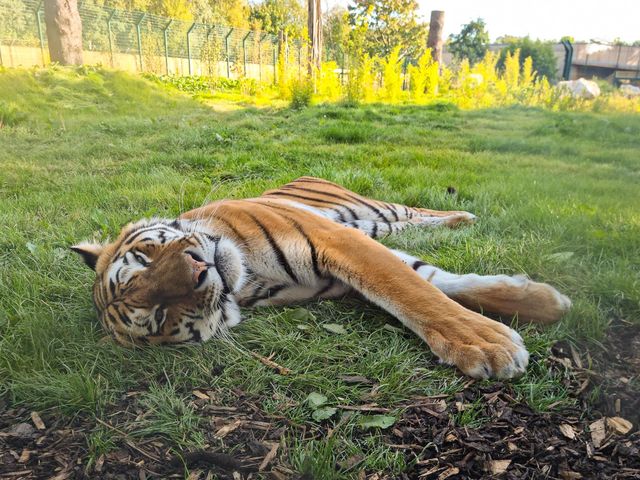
184, 280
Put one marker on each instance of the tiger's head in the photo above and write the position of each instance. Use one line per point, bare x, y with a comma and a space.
165, 281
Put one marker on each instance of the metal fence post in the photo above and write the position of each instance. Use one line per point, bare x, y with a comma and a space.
189, 45
226, 51
275, 62
244, 52
113, 13
40, 30
140, 39
166, 45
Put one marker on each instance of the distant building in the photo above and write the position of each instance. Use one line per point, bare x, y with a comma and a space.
614, 63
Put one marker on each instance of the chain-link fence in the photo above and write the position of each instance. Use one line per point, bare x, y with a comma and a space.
141, 41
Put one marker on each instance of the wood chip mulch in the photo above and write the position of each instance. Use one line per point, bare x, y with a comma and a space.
596, 438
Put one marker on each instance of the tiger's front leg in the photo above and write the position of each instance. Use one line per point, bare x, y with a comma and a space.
477, 345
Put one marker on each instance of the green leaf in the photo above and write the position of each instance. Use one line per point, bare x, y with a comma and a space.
301, 315
315, 399
334, 328
32, 247
391, 328
323, 413
560, 256
380, 421
303, 327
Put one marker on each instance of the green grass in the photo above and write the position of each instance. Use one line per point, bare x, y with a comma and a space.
86, 151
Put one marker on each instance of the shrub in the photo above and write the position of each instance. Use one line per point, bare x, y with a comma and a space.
392, 76
301, 92
329, 85
10, 115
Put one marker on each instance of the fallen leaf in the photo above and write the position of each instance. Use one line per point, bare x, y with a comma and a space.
323, 413
620, 425
355, 379
315, 399
597, 432
568, 431
334, 328
37, 421
496, 467
201, 395
380, 421
227, 429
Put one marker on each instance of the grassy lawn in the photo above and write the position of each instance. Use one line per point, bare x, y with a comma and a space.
556, 194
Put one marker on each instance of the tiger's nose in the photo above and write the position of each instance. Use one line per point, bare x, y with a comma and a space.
197, 266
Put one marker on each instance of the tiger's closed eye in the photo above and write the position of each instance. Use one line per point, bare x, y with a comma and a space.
160, 315
143, 260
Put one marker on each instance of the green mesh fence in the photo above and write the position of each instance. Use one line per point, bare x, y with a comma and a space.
144, 42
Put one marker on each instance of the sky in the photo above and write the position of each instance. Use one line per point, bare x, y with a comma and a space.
544, 19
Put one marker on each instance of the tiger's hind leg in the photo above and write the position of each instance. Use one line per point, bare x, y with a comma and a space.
374, 217
508, 296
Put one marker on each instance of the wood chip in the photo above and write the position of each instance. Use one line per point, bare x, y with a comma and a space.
597, 432
269, 457
496, 467
371, 407
227, 429
620, 425
99, 463
512, 447
24, 456
518, 430
270, 363
568, 431
449, 472
37, 421
570, 475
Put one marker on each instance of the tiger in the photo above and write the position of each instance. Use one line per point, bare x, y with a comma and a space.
185, 280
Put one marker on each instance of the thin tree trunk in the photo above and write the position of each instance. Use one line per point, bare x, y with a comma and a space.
434, 42
64, 31
314, 24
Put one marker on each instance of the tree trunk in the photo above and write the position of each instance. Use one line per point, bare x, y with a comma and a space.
434, 42
64, 31
315, 36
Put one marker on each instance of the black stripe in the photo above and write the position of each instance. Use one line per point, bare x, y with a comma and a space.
374, 233
392, 209
282, 259
417, 264
327, 287
242, 238
269, 293
346, 198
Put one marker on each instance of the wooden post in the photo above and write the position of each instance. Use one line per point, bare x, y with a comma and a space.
314, 25
64, 31
434, 42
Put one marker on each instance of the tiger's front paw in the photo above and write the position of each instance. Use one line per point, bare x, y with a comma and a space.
482, 348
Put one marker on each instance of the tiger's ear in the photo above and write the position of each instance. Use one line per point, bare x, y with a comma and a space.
89, 252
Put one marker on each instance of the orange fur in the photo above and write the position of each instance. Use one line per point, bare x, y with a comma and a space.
294, 244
